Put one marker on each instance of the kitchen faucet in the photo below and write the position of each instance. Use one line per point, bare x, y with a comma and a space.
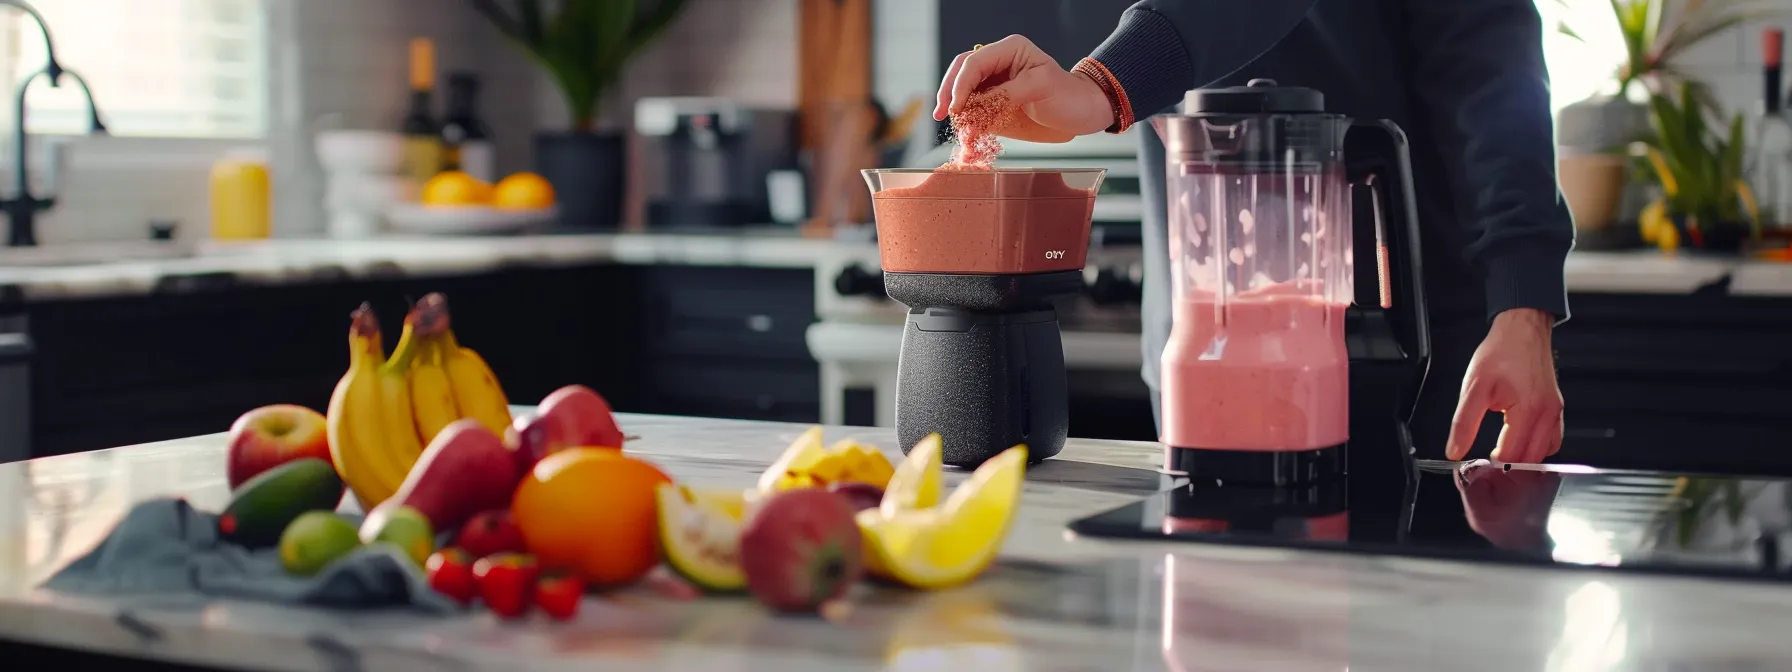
21, 210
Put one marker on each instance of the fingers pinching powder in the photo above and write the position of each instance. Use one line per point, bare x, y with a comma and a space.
976, 125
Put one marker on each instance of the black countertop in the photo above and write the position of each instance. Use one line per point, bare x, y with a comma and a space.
1555, 515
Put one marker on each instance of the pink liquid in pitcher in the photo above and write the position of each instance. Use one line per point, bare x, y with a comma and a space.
1265, 371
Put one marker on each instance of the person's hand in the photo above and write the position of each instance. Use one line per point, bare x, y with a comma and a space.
1514, 373
1056, 105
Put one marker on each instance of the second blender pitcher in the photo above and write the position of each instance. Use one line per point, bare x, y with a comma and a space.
1256, 374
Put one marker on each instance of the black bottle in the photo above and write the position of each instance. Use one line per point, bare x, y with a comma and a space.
466, 139
423, 146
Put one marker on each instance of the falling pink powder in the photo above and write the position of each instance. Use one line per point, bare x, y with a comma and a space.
976, 125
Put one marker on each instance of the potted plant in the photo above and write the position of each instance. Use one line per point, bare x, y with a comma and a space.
1705, 202
583, 45
1594, 133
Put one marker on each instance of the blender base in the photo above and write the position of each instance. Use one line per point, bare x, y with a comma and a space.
985, 382
1260, 467
982, 363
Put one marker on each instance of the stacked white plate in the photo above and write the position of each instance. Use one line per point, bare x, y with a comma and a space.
461, 220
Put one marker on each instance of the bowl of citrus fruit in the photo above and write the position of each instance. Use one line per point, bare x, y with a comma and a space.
454, 202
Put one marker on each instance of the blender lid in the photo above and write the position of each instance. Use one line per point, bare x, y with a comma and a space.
1259, 96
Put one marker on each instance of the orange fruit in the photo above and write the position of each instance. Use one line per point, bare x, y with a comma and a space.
593, 511
523, 191
455, 188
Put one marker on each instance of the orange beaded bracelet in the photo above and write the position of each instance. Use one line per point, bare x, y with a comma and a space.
1122, 107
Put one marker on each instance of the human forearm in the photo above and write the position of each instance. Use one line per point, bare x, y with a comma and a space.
1484, 91
1163, 48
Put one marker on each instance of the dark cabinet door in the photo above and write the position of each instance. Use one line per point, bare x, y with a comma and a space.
730, 342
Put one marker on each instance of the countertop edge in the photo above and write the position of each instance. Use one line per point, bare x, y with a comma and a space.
280, 262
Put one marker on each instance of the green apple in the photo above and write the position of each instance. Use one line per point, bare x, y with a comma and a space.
314, 540
403, 527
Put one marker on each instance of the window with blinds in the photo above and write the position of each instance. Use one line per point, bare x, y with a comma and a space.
158, 68
1585, 67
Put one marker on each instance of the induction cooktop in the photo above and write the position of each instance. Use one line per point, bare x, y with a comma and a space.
1478, 510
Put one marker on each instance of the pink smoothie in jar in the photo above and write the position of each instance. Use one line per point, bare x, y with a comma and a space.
1265, 370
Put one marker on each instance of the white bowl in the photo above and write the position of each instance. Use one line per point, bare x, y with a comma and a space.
440, 220
370, 193
360, 151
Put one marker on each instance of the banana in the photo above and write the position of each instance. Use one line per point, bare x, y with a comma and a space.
432, 396
403, 444
357, 442
476, 390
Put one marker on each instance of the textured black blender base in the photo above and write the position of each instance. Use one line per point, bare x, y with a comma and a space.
985, 382
1258, 467
982, 363
987, 293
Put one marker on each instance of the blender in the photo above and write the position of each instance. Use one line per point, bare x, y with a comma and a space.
979, 257
1274, 368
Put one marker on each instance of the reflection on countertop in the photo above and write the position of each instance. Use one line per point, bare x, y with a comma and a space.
105, 269
1050, 604
1533, 514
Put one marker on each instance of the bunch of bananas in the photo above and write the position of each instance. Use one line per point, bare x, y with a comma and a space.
386, 409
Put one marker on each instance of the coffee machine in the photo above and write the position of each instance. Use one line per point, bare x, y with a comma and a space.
979, 257
1278, 371
706, 161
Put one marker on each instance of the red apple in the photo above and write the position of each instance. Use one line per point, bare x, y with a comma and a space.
490, 533
532, 437
584, 417
270, 436
801, 549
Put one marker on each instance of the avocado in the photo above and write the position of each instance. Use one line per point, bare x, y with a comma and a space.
262, 507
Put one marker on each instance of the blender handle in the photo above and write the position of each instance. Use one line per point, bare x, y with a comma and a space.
1382, 162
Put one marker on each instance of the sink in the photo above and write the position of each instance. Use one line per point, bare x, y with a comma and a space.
92, 254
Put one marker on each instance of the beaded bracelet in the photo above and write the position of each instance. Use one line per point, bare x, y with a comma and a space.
1110, 87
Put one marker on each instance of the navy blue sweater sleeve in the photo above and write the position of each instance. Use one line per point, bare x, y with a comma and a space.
1482, 90
1163, 48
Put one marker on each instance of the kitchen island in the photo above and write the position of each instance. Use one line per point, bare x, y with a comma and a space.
1051, 602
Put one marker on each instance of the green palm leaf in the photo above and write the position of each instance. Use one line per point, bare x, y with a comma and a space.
583, 45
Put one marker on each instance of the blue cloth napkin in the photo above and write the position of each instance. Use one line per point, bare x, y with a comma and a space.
166, 547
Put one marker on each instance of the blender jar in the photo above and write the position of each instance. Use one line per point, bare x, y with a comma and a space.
990, 222
1260, 248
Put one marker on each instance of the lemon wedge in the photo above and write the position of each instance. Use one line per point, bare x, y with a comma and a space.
950, 544
915, 484
802, 455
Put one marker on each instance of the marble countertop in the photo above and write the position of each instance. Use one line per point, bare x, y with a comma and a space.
1051, 603
287, 261
280, 261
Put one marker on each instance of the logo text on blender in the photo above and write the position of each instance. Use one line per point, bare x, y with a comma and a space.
1054, 254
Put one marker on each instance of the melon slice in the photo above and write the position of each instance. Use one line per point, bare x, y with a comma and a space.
700, 536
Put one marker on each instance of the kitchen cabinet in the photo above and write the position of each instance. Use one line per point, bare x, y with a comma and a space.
729, 342
1699, 382
694, 341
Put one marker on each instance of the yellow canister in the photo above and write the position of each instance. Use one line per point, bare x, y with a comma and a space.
241, 197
